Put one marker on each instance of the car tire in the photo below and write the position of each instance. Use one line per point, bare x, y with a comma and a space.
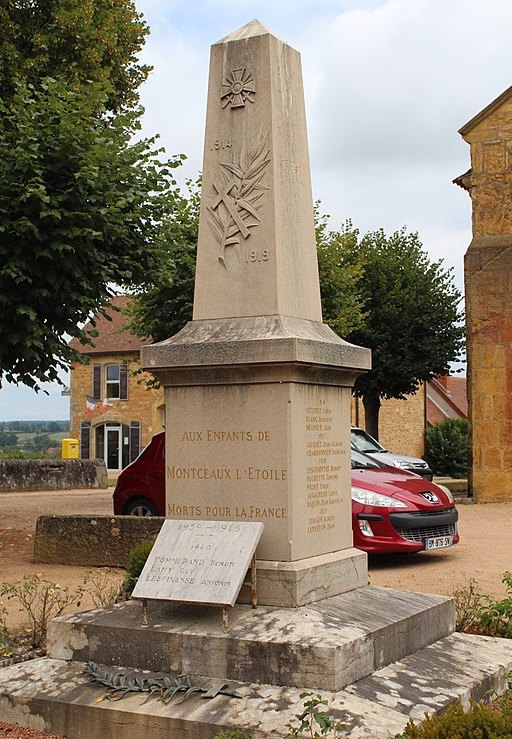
140, 507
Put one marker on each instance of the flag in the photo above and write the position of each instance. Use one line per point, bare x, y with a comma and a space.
105, 406
90, 405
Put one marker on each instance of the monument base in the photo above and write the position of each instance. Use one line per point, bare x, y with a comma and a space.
324, 645
294, 584
54, 695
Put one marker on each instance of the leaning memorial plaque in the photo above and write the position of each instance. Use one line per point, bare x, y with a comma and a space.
202, 562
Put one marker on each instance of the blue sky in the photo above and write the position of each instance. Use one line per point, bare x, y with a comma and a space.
387, 86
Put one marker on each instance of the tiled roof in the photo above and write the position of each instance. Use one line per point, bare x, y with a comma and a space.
446, 398
113, 336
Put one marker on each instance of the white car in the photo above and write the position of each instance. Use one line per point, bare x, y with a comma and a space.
363, 442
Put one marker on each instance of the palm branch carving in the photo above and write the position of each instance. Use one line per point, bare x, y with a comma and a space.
239, 189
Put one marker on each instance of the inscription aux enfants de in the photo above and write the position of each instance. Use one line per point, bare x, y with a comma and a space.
322, 469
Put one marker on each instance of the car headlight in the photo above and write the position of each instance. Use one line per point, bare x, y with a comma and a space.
400, 463
367, 497
447, 492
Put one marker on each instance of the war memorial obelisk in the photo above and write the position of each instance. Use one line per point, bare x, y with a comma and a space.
257, 388
257, 397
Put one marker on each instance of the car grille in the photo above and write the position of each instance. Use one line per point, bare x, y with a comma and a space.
417, 535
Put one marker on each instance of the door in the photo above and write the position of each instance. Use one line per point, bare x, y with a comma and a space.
113, 447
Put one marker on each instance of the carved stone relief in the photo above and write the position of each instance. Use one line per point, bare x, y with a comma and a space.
237, 197
238, 86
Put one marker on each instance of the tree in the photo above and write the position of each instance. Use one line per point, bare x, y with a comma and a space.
80, 205
80, 211
165, 306
79, 41
340, 275
7, 438
412, 320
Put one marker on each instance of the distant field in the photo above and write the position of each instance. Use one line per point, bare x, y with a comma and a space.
25, 437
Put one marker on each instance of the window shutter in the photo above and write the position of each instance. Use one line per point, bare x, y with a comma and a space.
96, 382
123, 382
134, 440
85, 440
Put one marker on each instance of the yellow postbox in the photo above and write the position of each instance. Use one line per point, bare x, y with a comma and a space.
69, 448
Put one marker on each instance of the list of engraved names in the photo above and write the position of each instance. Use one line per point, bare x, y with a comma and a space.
323, 465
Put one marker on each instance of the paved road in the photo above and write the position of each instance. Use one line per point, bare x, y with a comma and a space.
484, 553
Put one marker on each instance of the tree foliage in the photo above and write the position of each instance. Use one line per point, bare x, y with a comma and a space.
340, 275
412, 322
81, 204
165, 306
79, 41
447, 447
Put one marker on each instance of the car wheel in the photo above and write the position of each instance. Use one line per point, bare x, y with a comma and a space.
140, 507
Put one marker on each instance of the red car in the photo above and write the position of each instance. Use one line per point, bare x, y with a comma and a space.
392, 510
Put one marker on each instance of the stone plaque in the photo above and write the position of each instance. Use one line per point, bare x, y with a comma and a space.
199, 562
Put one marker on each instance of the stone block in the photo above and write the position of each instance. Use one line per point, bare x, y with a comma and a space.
54, 696
19, 475
324, 645
91, 541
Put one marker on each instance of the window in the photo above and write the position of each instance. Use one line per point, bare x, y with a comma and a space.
110, 381
113, 381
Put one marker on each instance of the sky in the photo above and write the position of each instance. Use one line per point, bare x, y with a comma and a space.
387, 85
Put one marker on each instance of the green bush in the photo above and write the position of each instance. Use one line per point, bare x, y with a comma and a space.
480, 722
483, 614
136, 561
447, 447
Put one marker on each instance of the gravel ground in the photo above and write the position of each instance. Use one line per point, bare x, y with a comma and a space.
484, 553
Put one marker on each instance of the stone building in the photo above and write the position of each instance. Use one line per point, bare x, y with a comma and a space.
113, 414
402, 423
488, 284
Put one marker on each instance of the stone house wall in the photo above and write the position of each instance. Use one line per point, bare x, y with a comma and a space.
143, 405
488, 288
401, 423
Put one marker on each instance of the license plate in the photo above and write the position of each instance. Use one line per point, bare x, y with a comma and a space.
438, 542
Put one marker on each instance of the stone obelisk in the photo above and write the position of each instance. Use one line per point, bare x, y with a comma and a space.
257, 388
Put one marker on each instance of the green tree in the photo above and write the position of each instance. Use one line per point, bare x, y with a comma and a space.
340, 275
79, 41
40, 443
447, 447
7, 438
80, 211
412, 320
165, 306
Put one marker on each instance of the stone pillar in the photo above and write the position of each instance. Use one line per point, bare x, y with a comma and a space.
257, 388
488, 283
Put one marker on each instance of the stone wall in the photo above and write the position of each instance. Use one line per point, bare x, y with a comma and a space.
488, 288
17, 475
143, 404
91, 541
401, 423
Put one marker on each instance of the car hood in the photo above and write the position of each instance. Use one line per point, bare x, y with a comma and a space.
386, 457
393, 481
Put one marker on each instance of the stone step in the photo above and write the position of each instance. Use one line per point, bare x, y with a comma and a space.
325, 645
56, 696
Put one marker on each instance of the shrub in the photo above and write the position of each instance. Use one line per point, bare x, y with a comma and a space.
136, 561
483, 614
493, 721
41, 600
447, 447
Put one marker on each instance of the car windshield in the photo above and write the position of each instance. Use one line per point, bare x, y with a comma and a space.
363, 442
361, 461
